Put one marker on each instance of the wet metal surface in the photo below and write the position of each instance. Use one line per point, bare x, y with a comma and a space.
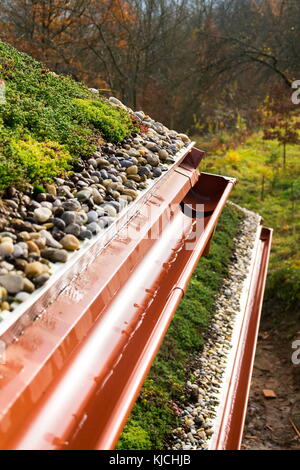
233, 409
71, 379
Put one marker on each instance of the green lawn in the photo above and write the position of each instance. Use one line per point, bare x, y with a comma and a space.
273, 191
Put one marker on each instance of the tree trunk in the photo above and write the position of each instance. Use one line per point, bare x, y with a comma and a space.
262, 197
284, 154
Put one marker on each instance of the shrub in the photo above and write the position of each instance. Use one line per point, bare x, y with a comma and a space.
40, 161
233, 158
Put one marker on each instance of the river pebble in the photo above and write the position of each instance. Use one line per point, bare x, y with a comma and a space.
37, 230
203, 394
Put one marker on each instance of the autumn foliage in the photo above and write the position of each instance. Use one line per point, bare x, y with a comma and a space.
196, 65
280, 119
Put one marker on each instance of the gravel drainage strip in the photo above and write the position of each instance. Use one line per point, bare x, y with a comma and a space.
201, 419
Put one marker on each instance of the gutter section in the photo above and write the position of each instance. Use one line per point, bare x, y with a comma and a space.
71, 379
229, 430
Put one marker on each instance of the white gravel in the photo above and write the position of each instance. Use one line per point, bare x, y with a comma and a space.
199, 418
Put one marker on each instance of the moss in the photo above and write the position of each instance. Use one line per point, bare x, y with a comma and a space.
40, 104
114, 124
164, 389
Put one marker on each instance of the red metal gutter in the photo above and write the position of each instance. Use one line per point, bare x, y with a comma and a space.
230, 431
72, 377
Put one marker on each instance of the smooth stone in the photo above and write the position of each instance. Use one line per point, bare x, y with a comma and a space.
133, 153
92, 162
115, 204
151, 146
157, 172
58, 211
130, 192
6, 248
51, 189
55, 255
184, 137
103, 174
109, 210
39, 241
68, 218
65, 191
22, 296
140, 114
85, 234
22, 225
135, 178
97, 198
13, 283
7, 266
102, 162
57, 234
42, 214
97, 155
41, 279
59, 223
41, 197
8, 234
47, 204
114, 100
20, 249
73, 229
163, 154
113, 160
3, 294
92, 216
70, 242
126, 163
32, 247
12, 204
84, 195
132, 170
93, 227
81, 218
71, 205
35, 268
28, 286
143, 170
105, 221
153, 160
100, 211
50, 241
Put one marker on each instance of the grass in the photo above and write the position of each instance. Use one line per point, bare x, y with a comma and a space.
43, 107
273, 191
154, 414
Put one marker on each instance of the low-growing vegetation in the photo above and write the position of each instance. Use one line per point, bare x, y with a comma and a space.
155, 413
114, 124
49, 118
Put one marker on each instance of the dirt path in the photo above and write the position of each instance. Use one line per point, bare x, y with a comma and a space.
268, 424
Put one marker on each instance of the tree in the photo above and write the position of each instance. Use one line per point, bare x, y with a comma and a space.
280, 120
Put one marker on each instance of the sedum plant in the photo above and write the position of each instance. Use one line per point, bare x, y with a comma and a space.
114, 124
39, 161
